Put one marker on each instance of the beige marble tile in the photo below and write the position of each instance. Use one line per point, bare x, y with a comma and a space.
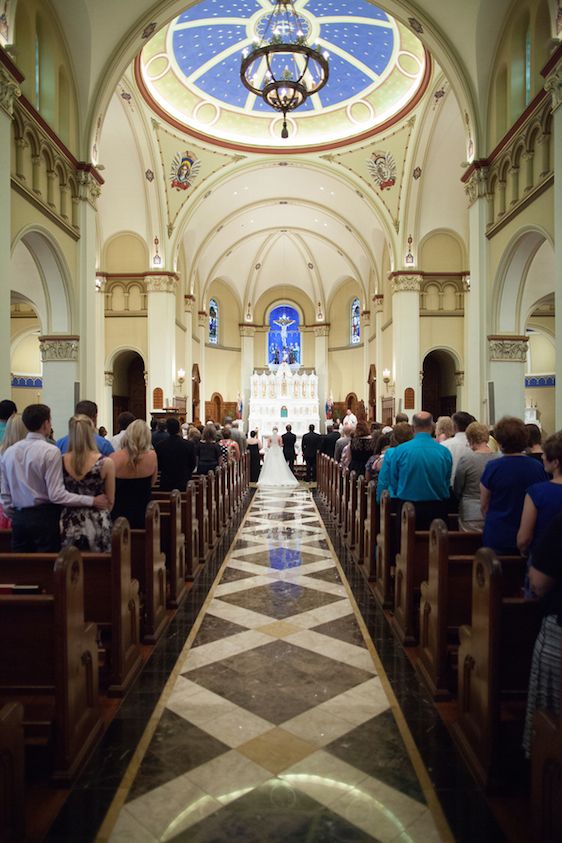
279, 629
355, 710
229, 776
276, 750
225, 647
202, 707
236, 727
171, 808
241, 585
128, 829
422, 830
319, 727
332, 612
331, 647
323, 777
336, 589
236, 614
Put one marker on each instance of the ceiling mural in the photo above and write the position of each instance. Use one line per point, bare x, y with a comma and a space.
185, 168
381, 165
189, 72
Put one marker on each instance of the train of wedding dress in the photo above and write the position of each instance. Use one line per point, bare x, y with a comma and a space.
275, 471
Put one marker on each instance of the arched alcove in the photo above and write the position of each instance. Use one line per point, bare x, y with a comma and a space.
439, 389
129, 388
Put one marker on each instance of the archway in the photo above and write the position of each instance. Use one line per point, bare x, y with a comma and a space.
216, 406
439, 388
195, 399
129, 388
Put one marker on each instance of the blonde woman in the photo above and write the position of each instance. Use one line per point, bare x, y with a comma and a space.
86, 472
136, 469
15, 431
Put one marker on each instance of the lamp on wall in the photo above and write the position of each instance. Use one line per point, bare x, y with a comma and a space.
181, 378
386, 378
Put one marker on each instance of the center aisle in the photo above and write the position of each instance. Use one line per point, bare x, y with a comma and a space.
277, 723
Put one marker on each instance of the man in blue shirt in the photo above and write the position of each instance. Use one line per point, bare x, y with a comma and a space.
90, 409
419, 471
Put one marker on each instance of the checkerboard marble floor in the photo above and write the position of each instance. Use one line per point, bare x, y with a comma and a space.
277, 726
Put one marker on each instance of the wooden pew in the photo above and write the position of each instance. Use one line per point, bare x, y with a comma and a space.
360, 515
12, 764
173, 544
148, 566
334, 487
412, 569
371, 529
546, 772
350, 511
202, 517
494, 664
445, 605
111, 600
212, 510
344, 500
385, 552
50, 664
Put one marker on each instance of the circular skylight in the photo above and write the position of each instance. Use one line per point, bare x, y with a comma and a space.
190, 72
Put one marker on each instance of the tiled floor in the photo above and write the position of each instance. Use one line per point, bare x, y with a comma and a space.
278, 723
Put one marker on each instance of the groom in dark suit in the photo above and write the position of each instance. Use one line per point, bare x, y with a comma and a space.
311, 442
289, 440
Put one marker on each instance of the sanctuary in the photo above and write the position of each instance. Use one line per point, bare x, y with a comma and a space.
284, 395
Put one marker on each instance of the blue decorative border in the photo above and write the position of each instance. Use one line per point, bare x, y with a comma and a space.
540, 380
22, 382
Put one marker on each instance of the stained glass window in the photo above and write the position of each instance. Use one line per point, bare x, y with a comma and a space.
355, 322
213, 322
284, 339
528, 67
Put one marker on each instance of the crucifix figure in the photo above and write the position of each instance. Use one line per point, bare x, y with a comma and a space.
284, 322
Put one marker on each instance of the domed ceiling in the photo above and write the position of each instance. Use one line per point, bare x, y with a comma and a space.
189, 73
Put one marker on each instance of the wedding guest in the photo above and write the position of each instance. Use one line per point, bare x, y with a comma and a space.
503, 486
90, 409
467, 478
210, 454
534, 445
254, 446
457, 444
361, 446
7, 410
86, 472
15, 432
444, 428
124, 419
136, 469
543, 500
32, 486
177, 459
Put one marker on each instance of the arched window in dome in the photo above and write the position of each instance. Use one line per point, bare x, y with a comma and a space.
355, 322
284, 339
213, 322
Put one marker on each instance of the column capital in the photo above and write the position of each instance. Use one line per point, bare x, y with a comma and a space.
366, 317
553, 84
188, 303
247, 330
202, 317
108, 378
9, 90
101, 284
89, 184
378, 302
321, 331
162, 283
459, 378
507, 348
59, 348
406, 282
476, 185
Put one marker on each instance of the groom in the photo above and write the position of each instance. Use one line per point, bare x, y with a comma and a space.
289, 440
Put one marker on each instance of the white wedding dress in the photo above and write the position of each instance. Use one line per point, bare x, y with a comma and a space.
275, 471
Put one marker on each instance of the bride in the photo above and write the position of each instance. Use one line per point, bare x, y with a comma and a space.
275, 471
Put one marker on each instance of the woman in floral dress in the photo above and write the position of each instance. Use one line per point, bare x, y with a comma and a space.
87, 472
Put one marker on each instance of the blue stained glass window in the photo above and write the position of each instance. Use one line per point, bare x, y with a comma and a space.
284, 339
355, 322
528, 67
213, 322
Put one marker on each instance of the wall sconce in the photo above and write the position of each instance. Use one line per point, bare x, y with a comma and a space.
181, 378
409, 259
156, 260
386, 378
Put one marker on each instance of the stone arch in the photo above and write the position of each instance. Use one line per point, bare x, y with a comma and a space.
127, 388
509, 284
440, 368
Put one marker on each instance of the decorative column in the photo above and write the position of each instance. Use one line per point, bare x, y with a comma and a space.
378, 301
365, 326
105, 407
161, 364
92, 339
203, 328
59, 355
247, 333
554, 86
459, 382
406, 337
508, 354
108, 402
10, 78
476, 296
188, 302
321, 334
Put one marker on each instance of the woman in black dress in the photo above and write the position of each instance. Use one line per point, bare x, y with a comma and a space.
136, 469
209, 451
254, 448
